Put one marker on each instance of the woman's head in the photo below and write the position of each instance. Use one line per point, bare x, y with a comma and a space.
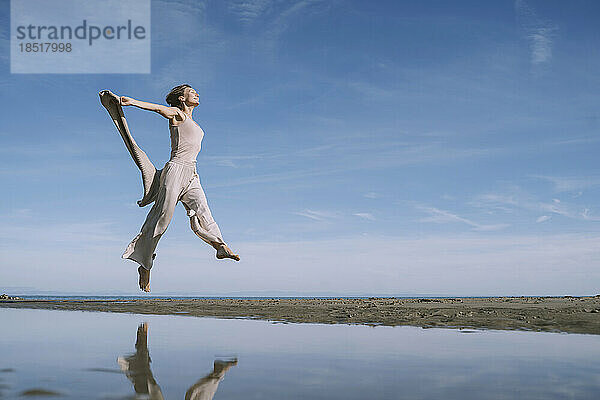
183, 94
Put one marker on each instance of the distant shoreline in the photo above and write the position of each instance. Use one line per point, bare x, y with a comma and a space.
544, 314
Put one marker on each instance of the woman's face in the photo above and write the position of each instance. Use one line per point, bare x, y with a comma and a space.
191, 97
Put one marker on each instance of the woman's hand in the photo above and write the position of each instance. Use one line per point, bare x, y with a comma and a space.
126, 101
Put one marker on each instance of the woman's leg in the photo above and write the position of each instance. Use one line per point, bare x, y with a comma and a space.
202, 221
142, 247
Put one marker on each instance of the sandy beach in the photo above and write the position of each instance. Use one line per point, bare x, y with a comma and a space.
549, 314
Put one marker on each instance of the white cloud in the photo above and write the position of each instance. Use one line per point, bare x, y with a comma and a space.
539, 33
200, 48
328, 215
226, 163
519, 200
542, 218
317, 215
443, 217
371, 92
285, 17
372, 195
247, 11
30, 230
576, 141
570, 183
541, 45
360, 154
368, 216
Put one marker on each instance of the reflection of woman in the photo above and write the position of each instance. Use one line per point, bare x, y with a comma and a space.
137, 368
179, 181
206, 387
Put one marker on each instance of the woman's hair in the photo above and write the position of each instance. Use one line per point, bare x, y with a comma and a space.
173, 96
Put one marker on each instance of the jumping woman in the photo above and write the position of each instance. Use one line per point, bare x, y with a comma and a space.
177, 181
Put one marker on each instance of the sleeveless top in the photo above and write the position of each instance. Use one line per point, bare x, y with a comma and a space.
186, 140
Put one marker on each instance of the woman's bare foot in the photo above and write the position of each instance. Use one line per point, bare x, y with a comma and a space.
225, 252
144, 279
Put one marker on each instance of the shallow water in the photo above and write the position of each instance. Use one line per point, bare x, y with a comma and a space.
83, 355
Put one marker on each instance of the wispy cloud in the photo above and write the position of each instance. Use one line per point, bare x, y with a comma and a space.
539, 33
322, 216
570, 183
517, 199
247, 11
443, 217
226, 163
269, 36
285, 17
368, 216
317, 215
370, 91
27, 229
359, 154
542, 218
541, 45
583, 140
199, 50
372, 195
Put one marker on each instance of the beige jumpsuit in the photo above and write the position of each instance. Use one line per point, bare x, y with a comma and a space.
179, 181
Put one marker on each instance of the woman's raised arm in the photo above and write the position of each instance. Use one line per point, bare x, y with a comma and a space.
165, 111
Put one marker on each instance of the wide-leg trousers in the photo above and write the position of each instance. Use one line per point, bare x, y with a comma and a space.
179, 181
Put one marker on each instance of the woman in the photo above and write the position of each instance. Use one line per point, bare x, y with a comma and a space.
179, 181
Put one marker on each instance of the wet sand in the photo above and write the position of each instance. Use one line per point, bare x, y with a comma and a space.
549, 314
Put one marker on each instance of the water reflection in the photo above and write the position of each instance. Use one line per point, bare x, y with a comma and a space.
75, 354
136, 367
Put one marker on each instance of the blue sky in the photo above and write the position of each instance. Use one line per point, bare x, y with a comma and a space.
429, 147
